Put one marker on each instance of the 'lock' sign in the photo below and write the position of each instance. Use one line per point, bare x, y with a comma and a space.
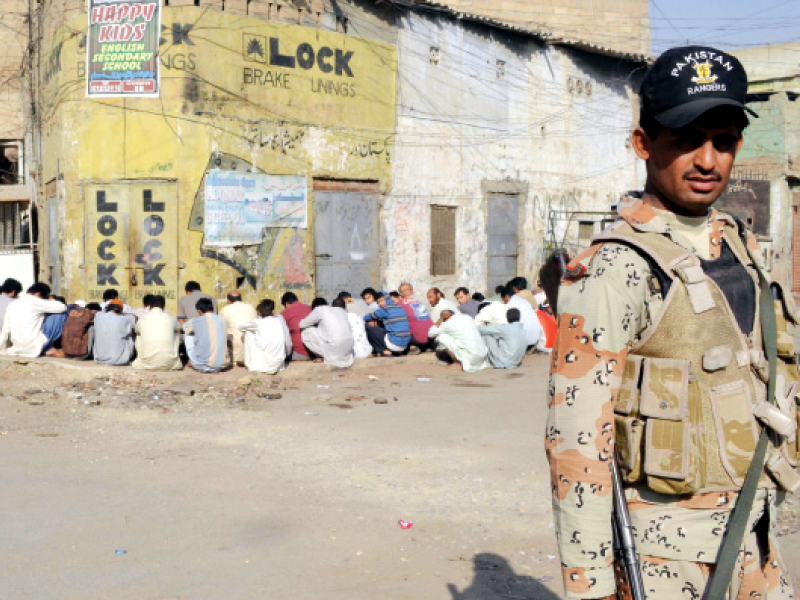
131, 240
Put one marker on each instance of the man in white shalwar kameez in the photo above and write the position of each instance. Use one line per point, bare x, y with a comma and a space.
361, 347
460, 341
327, 334
22, 326
267, 342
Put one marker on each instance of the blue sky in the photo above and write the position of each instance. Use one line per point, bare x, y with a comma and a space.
726, 24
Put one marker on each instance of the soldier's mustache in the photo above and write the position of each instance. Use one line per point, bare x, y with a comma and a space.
713, 175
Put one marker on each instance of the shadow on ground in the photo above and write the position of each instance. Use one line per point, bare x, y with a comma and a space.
494, 579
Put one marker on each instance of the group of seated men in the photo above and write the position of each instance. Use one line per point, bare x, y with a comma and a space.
474, 334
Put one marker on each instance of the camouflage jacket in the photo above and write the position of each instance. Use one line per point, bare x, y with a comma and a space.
609, 310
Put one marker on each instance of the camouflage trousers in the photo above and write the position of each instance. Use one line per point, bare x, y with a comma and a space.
760, 574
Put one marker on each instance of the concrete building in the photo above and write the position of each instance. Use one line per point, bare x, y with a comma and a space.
765, 188
386, 141
506, 147
16, 252
619, 25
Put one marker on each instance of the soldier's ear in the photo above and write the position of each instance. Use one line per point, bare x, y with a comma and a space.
641, 143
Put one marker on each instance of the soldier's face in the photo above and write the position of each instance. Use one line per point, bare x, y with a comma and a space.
689, 168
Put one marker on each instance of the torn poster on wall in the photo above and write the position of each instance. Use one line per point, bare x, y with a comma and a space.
240, 205
122, 48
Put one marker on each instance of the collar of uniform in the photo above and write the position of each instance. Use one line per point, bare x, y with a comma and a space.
643, 217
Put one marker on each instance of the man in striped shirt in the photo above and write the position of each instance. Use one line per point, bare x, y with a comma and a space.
206, 340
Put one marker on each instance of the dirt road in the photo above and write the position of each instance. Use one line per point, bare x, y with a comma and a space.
189, 486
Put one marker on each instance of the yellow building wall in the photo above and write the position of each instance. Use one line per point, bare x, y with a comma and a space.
222, 102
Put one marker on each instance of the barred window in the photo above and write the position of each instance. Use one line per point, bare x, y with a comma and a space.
443, 240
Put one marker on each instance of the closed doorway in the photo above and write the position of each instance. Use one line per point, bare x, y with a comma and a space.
132, 240
503, 223
346, 236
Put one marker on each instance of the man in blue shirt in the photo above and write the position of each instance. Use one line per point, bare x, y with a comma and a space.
393, 333
206, 340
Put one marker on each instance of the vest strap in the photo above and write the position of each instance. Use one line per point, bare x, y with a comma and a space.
696, 282
734, 532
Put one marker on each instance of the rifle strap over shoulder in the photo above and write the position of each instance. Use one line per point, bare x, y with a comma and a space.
734, 533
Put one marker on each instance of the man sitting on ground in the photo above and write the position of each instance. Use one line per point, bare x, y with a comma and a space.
157, 339
147, 303
8, 293
53, 326
235, 314
205, 339
494, 313
113, 335
370, 297
506, 343
497, 294
77, 337
466, 304
361, 345
459, 342
419, 319
22, 326
267, 342
354, 305
528, 318
549, 329
389, 331
294, 312
438, 303
327, 334
187, 306
112, 294
519, 286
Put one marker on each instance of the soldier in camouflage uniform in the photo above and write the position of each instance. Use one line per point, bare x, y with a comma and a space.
659, 358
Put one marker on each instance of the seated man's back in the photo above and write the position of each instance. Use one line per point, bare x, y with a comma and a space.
23, 321
157, 341
76, 336
113, 336
206, 342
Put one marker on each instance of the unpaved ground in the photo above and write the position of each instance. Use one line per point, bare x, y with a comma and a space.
187, 486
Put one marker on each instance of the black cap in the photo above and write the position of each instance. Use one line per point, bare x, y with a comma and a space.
686, 82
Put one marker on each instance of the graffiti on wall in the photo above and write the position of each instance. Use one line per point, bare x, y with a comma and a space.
748, 200
373, 148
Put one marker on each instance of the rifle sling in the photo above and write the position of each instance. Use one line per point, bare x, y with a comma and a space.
734, 533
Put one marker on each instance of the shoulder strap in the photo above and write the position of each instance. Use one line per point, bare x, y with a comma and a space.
734, 533
662, 250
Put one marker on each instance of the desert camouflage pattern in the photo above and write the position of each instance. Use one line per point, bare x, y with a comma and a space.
602, 316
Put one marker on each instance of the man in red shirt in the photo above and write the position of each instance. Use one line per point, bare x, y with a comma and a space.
294, 312
419, 320
550, 328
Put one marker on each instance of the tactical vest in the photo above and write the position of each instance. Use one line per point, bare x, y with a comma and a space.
685, 415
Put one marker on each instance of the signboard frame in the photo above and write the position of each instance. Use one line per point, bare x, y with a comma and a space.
239, 205
124, 32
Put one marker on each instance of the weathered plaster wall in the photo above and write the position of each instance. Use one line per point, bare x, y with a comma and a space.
623, 25
771, 150
217, 102
499, 111
13, 40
